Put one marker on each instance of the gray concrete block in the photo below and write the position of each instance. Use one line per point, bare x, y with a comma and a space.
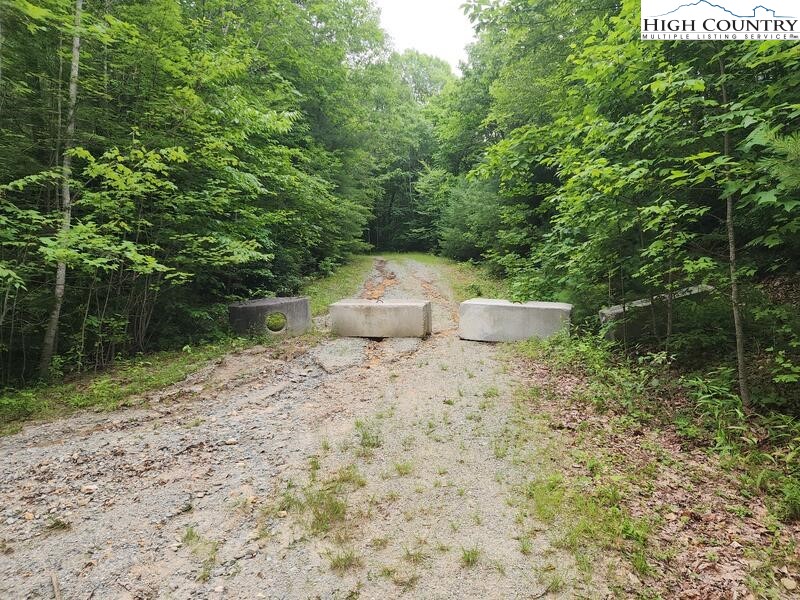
381, 319
646, 317
485, 320
251, 318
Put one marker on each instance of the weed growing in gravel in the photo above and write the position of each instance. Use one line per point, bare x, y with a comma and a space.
379, 542
369, 435
415, 557
205, 550
57, 524
525, 545
387, 571
406, 580
553, 582
326, 509
344, 560
243, 504
470, 556
491, 392
500, 449
323, 503
449, 401
313, 467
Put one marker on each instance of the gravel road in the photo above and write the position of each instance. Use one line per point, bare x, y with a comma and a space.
212, 490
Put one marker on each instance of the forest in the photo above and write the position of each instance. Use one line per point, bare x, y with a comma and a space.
160, 159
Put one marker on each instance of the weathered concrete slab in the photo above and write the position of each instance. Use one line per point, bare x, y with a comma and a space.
381, 319
337, 355
249, 318
485, 320
645, 317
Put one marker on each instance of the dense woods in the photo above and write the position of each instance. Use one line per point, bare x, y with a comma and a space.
589, 167
161, 158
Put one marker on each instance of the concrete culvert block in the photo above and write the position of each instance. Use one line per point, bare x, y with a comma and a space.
276, 316
381, 319
485, 320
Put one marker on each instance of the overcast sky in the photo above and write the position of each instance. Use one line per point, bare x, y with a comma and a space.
436, 27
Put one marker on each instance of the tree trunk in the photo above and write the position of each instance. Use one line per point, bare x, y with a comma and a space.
744, 390
51, 334
2, 94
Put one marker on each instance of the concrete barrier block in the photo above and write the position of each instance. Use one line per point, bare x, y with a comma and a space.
284, 316
647, 318
381, 319
486, 320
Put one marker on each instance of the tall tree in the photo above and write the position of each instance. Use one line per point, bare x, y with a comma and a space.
49, 343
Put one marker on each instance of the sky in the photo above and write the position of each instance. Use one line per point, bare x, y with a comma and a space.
436, 27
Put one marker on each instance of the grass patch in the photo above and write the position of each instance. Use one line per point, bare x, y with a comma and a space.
405, 580
470, 556
205, 550
344, 282
525, 546
415, 557
110, 390
404, 468
57, 524
344, 560
369, 434
321, 505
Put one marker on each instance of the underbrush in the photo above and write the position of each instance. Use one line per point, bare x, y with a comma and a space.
129, 378
111, 389
764, 449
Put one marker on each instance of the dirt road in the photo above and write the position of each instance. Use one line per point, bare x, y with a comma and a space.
359, 468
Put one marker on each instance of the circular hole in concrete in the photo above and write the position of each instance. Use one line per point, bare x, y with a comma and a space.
276, 322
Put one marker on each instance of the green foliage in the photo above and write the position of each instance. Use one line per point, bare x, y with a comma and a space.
343, 282
124, 383
590, 168
128, 379
223, 150
764, 446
